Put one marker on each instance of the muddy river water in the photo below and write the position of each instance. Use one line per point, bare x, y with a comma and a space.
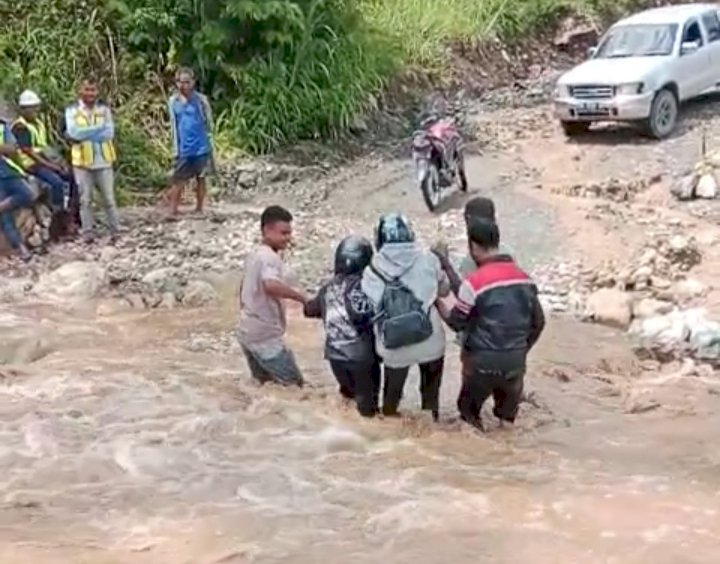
138, 438
125, 444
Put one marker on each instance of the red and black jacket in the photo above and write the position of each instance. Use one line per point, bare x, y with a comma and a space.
500, 315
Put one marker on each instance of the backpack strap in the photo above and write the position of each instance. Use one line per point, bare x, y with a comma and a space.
380, 276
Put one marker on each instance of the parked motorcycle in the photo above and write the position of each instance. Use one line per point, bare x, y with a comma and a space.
437, 151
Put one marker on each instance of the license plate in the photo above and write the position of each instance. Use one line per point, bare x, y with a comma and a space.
592, 106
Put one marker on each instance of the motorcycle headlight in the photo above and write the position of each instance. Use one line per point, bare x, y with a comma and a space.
630, 89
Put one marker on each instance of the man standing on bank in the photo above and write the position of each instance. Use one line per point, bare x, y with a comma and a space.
91, 133
191, 131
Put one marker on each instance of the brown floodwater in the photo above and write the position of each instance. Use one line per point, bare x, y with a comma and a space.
138, 438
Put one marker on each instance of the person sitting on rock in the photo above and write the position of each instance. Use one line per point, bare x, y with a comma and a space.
15, 193
265, 288
32, 139
347, 314
499, 312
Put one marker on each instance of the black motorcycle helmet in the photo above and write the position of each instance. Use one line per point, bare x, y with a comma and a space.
393, 228
352, 255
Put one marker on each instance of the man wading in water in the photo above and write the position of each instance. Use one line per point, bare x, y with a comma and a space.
501, 317
263, 319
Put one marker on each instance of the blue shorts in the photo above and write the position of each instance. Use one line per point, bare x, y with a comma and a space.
187, 168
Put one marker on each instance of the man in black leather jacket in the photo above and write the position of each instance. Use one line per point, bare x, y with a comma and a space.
501, 316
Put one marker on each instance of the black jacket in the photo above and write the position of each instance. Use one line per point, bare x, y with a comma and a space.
500, 314
347, 314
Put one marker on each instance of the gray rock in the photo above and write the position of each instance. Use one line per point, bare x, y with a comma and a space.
168, 301
649, 307
707, 187
163, 280
74, 280
684, 188
688, 289
199, 294
611, 307
113, 306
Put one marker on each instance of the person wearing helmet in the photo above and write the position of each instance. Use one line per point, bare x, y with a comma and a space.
347, 316
403, 282
32, 139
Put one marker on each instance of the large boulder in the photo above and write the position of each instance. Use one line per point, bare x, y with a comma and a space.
609, 306
74, 280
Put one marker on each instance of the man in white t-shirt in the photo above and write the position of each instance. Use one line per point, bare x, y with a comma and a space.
265, 287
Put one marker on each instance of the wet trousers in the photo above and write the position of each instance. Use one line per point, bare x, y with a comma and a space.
359, 381
478, 385
430, 380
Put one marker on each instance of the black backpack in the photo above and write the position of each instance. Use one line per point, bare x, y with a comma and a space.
401, 317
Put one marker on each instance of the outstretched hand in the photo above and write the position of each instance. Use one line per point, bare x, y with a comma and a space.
441, 250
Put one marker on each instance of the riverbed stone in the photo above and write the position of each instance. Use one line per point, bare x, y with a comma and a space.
611, 307
74, 280
199, 293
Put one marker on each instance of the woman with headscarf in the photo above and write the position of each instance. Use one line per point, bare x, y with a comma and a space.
403, 281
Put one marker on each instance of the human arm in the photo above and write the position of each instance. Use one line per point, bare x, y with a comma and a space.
458, 314
537, 321
282, 291
271, 275
78, 133
24, 140
108, 131
8, 150
454, 279
173, 126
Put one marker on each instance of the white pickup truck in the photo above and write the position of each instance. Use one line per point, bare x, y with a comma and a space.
642, 69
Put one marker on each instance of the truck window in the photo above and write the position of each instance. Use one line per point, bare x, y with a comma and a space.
693, 34
712, 25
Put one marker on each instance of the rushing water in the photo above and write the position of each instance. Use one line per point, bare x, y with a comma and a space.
124, 445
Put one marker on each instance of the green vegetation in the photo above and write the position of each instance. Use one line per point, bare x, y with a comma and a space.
276, 70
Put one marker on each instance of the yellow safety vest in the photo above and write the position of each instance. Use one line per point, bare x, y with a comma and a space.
8, 161
82, 154
38, 139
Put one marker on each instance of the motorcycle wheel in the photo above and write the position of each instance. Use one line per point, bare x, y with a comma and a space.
430, 188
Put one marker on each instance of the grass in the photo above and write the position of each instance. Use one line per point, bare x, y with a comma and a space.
277, 72
423, 29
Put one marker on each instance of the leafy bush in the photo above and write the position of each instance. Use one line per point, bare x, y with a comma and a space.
277, 70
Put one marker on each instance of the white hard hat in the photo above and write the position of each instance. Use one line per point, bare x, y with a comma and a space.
28, 99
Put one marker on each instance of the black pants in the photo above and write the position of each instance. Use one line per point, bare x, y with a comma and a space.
478, 385
359, 381
430, 380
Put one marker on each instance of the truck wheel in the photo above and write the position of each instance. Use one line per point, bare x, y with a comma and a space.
574, 128
663, 114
